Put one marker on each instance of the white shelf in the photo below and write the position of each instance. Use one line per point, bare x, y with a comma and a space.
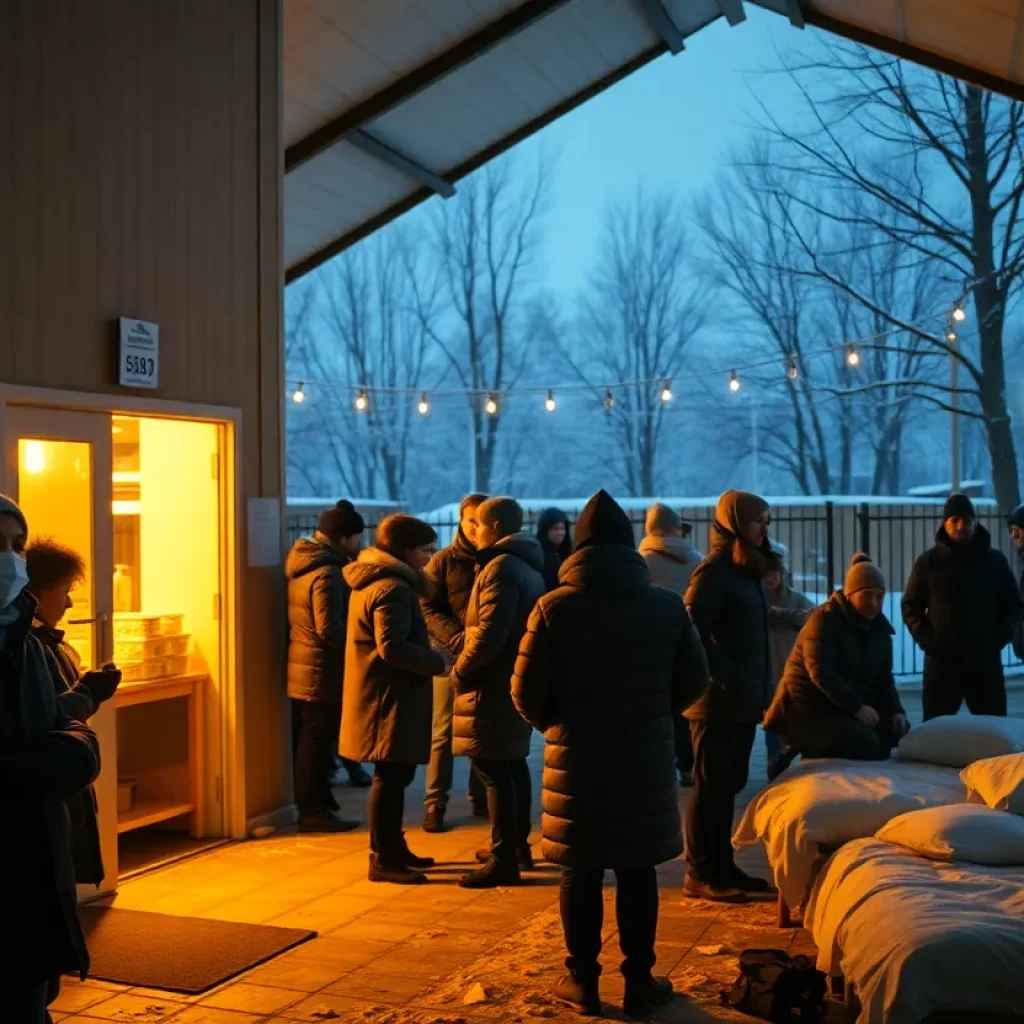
149, 812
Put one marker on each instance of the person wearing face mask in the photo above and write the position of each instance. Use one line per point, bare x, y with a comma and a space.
728, 603
837, 697
53, 571
45, 757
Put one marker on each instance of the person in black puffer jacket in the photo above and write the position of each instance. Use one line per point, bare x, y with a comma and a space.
318, 599
452, 572
1016, 526
607, 662
962, 606
487, 727
556, 541
728, 602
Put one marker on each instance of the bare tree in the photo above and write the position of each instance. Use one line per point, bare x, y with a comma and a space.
641, 309
942, 159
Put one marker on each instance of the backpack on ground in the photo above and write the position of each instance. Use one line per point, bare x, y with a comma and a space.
777, 987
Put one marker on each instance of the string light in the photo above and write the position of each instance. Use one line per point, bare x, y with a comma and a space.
852, 355
299, 394
950, 334
550, 404
609, 401
959, 313
734, 382
424, 407
791, 370
362, 401
491, 406
666, 392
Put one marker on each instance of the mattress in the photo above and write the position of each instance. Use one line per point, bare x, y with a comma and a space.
828, 802
916, 936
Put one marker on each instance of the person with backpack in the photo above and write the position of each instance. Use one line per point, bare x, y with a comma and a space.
608, 662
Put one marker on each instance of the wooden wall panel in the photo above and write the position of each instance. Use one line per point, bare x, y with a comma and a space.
140, 175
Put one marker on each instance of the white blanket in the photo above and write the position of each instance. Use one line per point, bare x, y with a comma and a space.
830, 802
916, 936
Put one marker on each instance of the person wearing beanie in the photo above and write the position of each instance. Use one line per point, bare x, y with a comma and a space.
671, 559
837, 697
45, 757
728, 602
607, 663
556, 541
487, 728
388, 697
962, 606
1015, 524
317, 615
452, 572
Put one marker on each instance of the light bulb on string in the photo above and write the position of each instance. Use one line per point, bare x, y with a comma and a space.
549, 403
609, 400
950, 334
959, 314
734, 382
299, 394
852, 356
491, 406
666, 392
791, 371
362, 401
424, 407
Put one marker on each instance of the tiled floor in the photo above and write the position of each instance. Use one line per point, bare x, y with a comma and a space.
392, 955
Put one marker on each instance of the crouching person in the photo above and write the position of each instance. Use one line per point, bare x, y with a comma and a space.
837, 697
607, 664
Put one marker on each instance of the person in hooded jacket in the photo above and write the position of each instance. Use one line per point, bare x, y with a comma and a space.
452, 572
556, 541
962, 606
53, 571
728, 602
317, 614
388, 697
1015, 524
487, 727
45, 757
607, 663
671, 559
837, 697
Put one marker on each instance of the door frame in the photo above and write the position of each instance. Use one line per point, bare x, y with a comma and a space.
229, 419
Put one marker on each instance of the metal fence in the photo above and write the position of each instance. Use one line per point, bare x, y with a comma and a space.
820, 539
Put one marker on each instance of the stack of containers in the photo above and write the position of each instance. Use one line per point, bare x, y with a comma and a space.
149, 647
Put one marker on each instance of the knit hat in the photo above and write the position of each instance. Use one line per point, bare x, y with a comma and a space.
738, 509
863, 574
341, 521
602, 521
662, 521
9, 506
1016, 517
399, 534
958, 505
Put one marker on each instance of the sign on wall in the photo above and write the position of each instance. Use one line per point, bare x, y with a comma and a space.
139, 354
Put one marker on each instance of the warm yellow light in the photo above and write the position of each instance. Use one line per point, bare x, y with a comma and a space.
852, 356
299, 394
666, 393
126, 476
126, 508
424, 406
959, 313
33, 456
734, 382
609, 400
549, 403
362, 402
491, 406
793, 371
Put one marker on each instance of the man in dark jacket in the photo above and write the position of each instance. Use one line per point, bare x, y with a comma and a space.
318, 599
45, 757
962, 606
487, 727
728, 603
452, 571
1016, 525
607, 663
837, 697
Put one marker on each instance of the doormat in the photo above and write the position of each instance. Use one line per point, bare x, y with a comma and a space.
178, 954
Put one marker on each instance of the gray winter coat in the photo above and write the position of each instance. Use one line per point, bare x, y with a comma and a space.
607, 663
787, 614
510, 580
317, 612
671, 561
387, 702
728, 603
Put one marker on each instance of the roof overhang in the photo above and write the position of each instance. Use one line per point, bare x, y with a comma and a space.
391, 102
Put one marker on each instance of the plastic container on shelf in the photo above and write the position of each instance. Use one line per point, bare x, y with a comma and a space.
136, 626
142, 649
171, 625
124, 591
177, 644
175, 665
142, 671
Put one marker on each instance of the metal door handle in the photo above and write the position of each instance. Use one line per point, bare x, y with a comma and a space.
102, 617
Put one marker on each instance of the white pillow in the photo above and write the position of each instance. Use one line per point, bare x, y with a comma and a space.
997, 782
967, 832
958, 740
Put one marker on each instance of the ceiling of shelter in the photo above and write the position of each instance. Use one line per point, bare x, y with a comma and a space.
388, 102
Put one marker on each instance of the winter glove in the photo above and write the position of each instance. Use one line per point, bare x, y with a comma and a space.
103, 683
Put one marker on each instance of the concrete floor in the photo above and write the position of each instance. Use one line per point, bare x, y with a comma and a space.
392, 955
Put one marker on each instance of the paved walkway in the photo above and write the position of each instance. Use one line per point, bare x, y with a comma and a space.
393, 955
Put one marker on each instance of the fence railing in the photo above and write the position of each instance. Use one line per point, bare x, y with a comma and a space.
820, 539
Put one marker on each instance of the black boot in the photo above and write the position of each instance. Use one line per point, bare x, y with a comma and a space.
396, 874
326, 821
491, 875
479, 808
642, 997
579, 993
410, 860
696, 890
359, 777
524, 857
433, 819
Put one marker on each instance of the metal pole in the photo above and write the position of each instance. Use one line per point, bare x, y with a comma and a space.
954, 372
755, 448
472, 449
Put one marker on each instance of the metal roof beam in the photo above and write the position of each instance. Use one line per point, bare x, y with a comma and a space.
426, 75
733, 11
662, 23
795, 14
401, 162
